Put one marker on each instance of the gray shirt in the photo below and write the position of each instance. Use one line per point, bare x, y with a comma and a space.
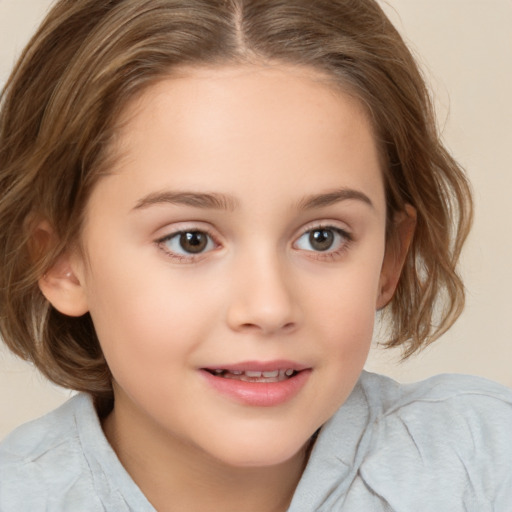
444, 444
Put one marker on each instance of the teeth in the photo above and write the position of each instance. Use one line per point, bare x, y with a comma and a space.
256, 376
252, 374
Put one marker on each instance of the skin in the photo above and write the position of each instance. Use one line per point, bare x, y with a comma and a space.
269, 138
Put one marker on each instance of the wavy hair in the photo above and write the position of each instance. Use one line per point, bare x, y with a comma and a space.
89, 58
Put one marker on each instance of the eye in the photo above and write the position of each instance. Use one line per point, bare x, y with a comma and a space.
187, 243
323, 239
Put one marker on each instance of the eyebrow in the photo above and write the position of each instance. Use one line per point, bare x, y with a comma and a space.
330, 198
195, 199
218, 201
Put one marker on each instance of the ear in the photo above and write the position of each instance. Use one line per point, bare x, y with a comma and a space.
397, 248
60, 284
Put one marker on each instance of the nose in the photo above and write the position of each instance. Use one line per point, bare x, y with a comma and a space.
262, 297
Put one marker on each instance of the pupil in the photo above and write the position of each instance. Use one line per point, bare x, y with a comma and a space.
321, 239
193, 242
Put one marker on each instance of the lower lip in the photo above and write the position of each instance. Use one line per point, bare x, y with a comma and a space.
259, 394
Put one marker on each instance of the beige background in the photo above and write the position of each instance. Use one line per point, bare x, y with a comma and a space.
465, 47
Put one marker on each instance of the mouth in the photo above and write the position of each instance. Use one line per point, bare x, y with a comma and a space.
261, 384
278, 375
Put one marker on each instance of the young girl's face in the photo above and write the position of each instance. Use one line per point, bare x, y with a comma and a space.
242, 230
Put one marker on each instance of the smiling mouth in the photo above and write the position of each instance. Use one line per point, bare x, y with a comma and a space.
255, 376
258, 383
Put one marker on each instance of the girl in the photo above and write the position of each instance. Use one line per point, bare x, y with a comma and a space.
204, 203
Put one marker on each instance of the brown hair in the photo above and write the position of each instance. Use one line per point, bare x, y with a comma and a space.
89, 58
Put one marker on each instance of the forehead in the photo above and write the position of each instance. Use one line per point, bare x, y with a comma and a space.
262, 96
242, 128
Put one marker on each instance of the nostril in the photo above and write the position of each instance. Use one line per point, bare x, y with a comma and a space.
289, 326
249, 326
268, 328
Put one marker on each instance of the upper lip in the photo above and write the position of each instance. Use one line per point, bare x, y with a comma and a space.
259, 366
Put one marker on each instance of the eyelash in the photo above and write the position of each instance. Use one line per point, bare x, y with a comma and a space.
326, 255
329, 255
190, 257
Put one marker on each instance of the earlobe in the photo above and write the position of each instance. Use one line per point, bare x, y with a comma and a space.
63, 289
396, 253
60, 284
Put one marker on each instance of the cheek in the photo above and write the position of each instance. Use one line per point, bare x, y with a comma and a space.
345, 314
349, 336
144, 316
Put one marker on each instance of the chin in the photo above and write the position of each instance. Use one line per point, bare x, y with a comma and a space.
251, 454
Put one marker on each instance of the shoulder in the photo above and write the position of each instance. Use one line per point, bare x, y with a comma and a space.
43, 459
31, 440
465, 403
448, 437
439, 387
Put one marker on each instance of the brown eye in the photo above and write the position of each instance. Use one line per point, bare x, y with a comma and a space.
193, 241
321, 239
187, 244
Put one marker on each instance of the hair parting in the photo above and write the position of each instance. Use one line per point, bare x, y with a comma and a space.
90, 58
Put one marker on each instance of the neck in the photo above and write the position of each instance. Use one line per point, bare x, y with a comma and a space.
177, 476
